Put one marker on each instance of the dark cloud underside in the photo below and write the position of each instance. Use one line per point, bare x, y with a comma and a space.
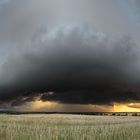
82, 52
78, 64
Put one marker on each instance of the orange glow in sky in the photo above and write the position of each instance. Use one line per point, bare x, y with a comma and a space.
130, 107
39, 105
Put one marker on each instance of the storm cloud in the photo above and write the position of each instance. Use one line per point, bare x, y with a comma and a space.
69, 51
78, 64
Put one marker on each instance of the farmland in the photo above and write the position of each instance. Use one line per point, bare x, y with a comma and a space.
69, 127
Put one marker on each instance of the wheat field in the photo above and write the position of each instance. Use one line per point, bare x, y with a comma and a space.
69, 127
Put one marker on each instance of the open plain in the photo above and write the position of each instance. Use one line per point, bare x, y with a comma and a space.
69, 127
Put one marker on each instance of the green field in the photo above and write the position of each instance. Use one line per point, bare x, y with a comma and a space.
69, 127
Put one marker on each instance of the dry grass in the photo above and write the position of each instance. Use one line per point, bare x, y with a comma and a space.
69, 127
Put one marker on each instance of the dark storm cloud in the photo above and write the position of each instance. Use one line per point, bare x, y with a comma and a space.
78, 64
22, 100
94, 96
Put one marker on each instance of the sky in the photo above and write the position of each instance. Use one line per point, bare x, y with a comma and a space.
70, 55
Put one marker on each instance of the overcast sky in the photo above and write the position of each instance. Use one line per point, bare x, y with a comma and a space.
82, 51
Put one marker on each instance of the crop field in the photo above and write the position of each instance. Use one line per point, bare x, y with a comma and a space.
69, 127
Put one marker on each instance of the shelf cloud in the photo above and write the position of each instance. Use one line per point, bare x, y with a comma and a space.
77, 64
69, 52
